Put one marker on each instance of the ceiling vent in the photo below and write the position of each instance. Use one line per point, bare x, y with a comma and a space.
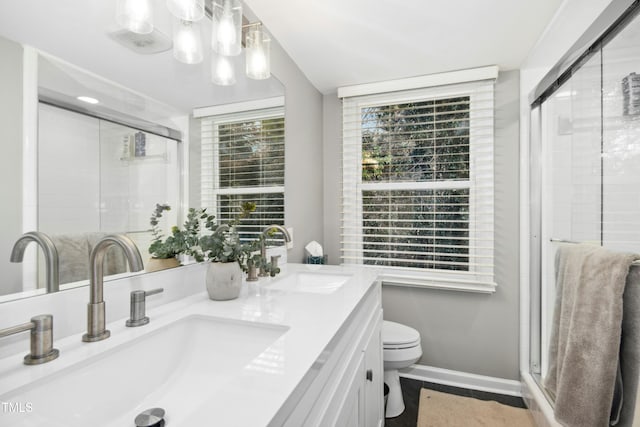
154, 42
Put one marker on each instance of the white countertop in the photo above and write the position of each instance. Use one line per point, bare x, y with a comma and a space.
253, 397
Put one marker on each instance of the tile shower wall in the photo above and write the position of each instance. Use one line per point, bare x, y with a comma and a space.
90, 178
68, 182
130, 184
621, 143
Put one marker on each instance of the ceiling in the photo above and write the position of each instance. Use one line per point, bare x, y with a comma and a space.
345, 42
334, 42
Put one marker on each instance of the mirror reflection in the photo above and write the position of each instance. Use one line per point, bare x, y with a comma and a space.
76, 171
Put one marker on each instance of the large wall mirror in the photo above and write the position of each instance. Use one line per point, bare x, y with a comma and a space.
75, 170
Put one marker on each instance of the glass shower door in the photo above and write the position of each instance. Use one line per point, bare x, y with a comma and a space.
137, 170
585, 152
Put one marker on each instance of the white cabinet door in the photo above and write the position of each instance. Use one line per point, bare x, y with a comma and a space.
351, 413
374, 393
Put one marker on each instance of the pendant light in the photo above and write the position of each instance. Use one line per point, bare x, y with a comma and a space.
222, 70
226, 33
187, 42
135, 15
187, 10
226, 36
258, 46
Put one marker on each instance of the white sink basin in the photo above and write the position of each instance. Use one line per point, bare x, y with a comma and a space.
179, 367
313, 282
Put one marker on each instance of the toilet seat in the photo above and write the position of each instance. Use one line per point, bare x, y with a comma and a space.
397, 337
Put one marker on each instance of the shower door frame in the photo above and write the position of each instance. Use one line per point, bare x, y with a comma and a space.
614, 17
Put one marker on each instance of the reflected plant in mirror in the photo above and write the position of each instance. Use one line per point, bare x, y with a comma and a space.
182, 241
160, 248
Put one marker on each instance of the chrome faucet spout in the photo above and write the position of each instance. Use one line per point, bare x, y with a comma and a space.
50, 256
96, 308
263, 245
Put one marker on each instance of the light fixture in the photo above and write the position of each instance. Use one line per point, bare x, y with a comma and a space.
187, 10
187, 42
87, 99
258, 46
135, 15
226, 32
222, 70
226, 35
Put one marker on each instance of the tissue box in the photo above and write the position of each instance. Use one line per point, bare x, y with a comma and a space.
317, 259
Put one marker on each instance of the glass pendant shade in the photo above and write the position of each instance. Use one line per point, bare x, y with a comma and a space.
187, 10
258, 47
226, 33
222, 70
135, 15
187, 43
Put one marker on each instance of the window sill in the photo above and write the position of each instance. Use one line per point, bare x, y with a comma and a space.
414, 281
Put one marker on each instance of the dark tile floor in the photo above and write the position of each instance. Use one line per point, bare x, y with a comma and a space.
411, 395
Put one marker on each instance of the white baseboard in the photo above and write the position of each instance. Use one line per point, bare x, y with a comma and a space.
463, 380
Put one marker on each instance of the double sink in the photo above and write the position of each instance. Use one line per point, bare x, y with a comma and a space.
178, 367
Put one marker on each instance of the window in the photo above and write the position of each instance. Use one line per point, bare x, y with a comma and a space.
418, 184
243, 160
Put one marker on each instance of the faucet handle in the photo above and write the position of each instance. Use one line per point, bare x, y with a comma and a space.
41, 328
274, 261
138, 307
153, 292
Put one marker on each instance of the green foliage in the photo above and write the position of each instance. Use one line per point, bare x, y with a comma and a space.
224, 244
181, 241
250, 153
159, 247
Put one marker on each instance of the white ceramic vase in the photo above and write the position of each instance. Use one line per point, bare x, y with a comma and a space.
224, 280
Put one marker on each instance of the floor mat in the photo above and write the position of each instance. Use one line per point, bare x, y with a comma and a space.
448, 410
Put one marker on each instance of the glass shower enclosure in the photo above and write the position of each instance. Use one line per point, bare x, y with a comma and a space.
97, 176
585, 167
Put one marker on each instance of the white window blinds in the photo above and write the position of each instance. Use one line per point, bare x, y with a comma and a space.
243, 160
418, 182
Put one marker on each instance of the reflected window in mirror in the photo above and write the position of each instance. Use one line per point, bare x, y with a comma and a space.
243, 161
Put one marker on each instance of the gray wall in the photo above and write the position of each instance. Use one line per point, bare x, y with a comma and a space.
332, 156
466, 332
303, 153
10, 160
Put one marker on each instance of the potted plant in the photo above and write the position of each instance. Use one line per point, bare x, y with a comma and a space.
228, 256
164, 251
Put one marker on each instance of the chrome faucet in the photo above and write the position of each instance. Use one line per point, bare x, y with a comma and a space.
50, 256
95, 309
263, 245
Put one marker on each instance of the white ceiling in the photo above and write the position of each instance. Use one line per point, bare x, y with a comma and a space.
345, 42
334, 42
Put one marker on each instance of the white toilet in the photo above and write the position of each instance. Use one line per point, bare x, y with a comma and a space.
401, 349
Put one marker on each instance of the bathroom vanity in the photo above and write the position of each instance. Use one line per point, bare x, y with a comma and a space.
303, 348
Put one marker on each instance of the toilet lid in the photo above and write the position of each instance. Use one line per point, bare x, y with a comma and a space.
394, 334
